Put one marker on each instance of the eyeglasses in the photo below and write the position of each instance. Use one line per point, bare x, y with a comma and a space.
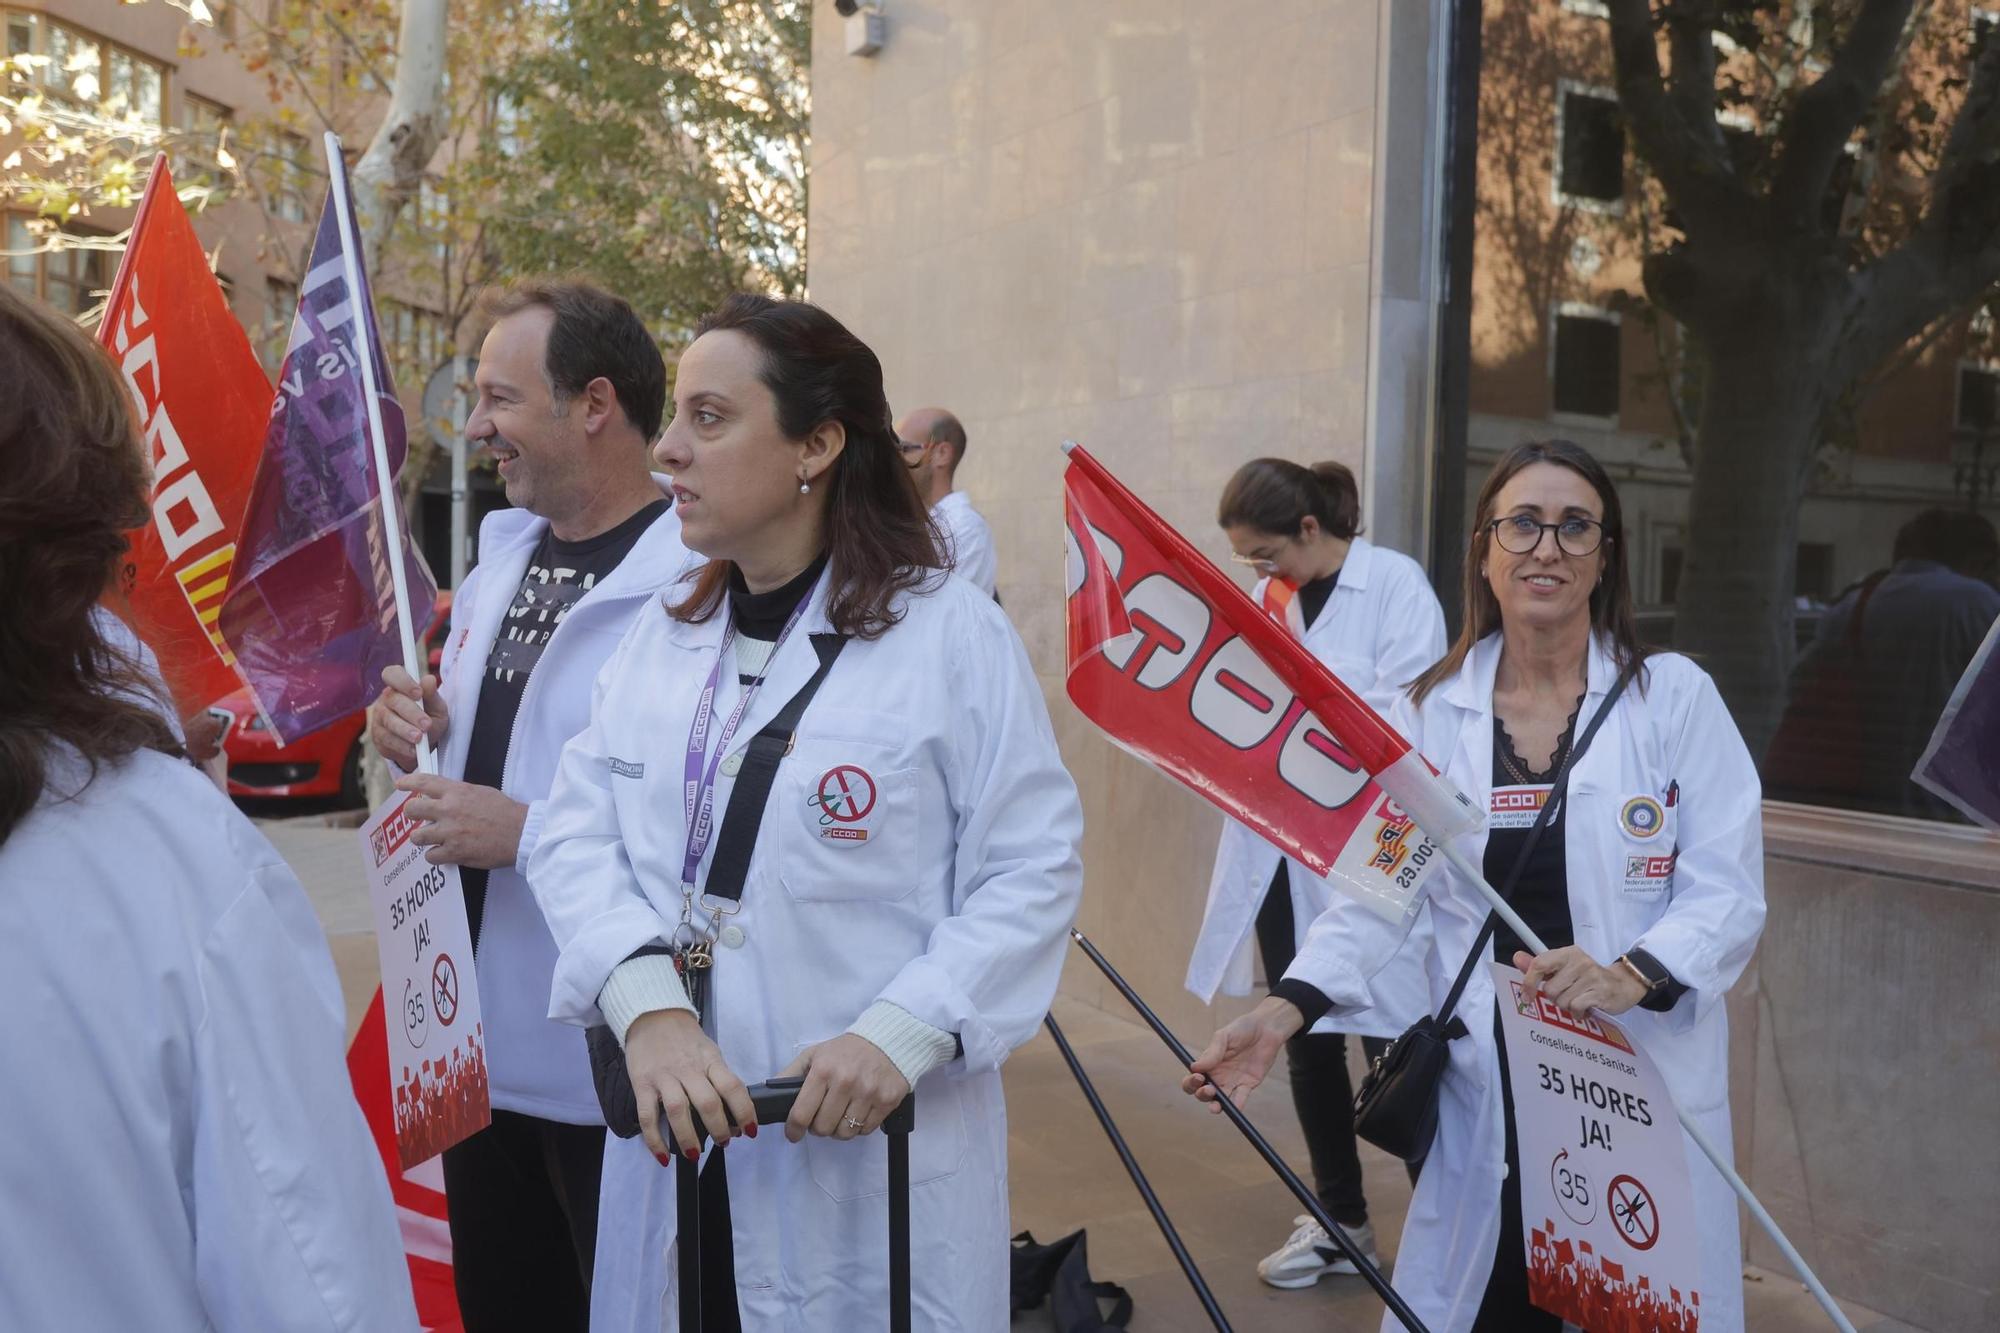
910, 448
1262, 564
1574, 536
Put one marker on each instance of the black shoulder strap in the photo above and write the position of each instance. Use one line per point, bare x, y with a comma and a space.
1557, 789
752, 792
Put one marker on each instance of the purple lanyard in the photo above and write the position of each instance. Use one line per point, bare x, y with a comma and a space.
699, 768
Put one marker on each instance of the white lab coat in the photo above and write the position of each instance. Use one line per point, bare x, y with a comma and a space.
1701, 923
127, 644
969, 541
537, 1067
182, 1148
954, 907
1380, 630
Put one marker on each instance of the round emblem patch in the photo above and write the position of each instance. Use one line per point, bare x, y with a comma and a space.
1642, 817
843, 799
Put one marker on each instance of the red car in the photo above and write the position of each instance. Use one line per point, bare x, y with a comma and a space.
324, 763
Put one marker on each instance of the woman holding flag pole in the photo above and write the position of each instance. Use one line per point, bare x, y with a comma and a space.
818, 827
1548, 639
1369, 614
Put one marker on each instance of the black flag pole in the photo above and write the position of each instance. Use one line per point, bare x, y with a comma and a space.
1397, 1305
1145, 1188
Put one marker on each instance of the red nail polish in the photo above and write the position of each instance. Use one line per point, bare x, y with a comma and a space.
750, 1130
663, 1159
694, 1154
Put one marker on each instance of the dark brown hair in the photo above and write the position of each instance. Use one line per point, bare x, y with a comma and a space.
1610, 601
1275, 495
879, 538
595, 335
947, 428
74, 482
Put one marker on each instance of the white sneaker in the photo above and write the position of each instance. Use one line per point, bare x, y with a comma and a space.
1310, 1255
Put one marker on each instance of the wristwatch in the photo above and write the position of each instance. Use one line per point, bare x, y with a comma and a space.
1647, 969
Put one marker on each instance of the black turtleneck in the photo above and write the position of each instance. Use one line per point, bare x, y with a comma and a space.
762, 615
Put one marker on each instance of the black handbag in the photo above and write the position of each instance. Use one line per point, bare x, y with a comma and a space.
1059, 1274
1396, 1108
726, 873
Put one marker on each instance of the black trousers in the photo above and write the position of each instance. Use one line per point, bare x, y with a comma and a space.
1506, 1308
1322, 1092
523, 1196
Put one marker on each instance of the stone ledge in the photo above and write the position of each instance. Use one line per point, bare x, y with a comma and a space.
1953, 855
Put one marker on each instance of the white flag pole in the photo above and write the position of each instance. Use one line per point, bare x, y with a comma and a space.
1473, 876
364, 348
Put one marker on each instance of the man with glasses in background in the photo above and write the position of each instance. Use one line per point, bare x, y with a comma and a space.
932, 443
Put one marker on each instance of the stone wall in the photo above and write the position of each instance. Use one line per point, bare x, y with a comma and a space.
1143, 226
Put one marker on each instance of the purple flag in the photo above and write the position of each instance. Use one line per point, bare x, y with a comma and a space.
1962, 763
311, 610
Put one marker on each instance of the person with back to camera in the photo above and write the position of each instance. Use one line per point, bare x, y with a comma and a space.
1866, 695
182, 1148
900, 920
1648, 886
1369, 614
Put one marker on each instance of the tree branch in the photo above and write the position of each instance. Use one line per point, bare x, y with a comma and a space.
368, 65
1826, 113
1954, 251
1690, 26
1913, 352
1688, 157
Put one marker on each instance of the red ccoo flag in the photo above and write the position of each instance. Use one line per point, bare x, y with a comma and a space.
420, 1207
1176, 664
203, 403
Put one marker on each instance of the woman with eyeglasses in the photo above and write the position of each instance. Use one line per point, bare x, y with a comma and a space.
1370, 615
1646, 884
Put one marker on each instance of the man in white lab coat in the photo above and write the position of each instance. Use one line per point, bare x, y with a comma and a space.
571, 391
933, 444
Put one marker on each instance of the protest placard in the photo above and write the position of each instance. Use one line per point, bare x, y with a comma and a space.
1607, 1211
437, 1043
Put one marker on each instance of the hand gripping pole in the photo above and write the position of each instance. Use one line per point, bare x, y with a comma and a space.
1397, 1305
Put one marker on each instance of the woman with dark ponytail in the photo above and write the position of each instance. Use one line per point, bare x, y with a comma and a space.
1370, 615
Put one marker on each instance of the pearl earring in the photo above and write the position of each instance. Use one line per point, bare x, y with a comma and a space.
805, 487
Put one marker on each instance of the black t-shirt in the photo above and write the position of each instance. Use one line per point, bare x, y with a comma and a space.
1541, 895
1313, 596
559, 574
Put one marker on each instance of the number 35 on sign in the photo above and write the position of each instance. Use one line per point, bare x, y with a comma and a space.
437, 1047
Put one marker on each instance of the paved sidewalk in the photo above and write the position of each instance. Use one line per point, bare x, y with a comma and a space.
1230, 1210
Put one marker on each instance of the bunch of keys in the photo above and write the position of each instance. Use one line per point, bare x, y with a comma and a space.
694, 956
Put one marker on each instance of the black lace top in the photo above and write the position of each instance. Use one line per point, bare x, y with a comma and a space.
1541, 895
